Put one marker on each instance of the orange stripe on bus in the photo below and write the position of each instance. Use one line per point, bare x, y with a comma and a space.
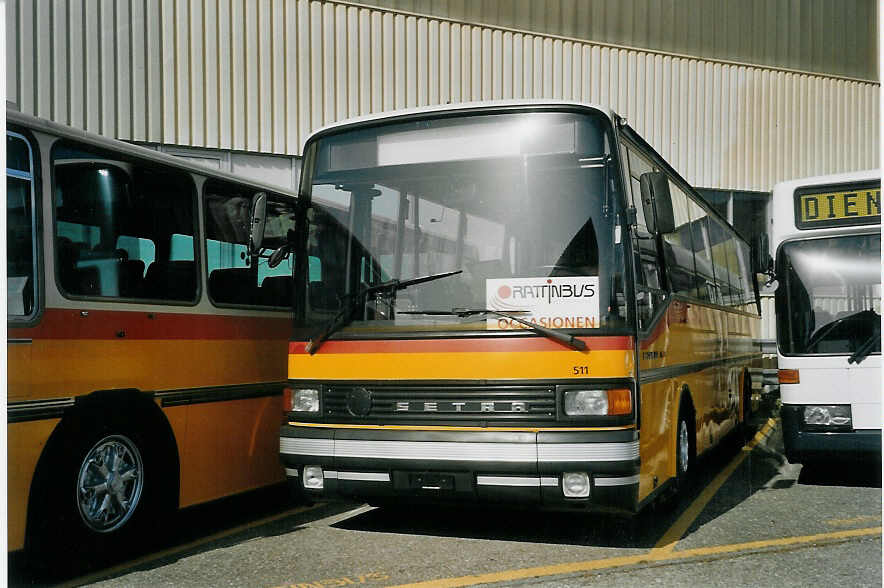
141, 324
533, 365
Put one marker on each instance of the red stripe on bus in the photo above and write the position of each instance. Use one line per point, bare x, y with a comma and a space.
114, 324
483, 344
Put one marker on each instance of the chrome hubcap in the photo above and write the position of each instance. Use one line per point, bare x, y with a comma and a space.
683, 446
109, 483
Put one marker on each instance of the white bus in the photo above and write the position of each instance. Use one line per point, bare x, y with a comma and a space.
826, 232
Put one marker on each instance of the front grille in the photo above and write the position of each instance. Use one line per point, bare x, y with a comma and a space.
393, 404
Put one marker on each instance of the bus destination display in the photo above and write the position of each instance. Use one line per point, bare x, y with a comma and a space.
839, 206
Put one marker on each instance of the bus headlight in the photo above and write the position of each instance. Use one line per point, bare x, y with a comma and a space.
303, 399
837, 416
617, 401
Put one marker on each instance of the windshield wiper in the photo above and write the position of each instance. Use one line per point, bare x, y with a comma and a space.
866, 348
565, 338
351, 302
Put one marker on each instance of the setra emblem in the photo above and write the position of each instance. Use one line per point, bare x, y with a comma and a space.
472, 406
359, 402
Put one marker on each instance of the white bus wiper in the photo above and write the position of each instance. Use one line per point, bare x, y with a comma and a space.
566, 338
350, 302
866, 348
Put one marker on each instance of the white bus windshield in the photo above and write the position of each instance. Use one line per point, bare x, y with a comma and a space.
833, 295
524, 204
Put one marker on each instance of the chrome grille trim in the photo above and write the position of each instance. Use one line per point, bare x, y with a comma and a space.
455, 451
507, 481
548, 452
539, 401
320, 447
364, 476
437, 450
627, 481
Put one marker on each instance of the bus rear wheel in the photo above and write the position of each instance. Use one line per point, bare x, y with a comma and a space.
99, 496
109, 484
684, 446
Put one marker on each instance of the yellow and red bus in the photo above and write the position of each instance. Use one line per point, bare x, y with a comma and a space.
515, 301
145, 350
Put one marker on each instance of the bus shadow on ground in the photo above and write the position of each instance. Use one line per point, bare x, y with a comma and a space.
854, 474
761, 468
189, 533
501, 524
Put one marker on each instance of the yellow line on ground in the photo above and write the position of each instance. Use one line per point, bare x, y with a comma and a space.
91, 578
679, 527
615, 562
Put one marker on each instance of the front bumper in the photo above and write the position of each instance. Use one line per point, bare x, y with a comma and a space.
388, 464
804, 446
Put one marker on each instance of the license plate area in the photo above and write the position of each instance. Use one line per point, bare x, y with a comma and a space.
431, 481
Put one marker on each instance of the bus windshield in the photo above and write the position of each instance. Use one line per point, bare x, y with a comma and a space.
522, 207
833, 293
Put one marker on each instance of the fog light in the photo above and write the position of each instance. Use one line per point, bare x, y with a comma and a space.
313, 478
575, 484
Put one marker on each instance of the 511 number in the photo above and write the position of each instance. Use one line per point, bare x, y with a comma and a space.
580, 370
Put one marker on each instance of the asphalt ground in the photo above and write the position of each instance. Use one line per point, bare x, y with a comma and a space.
749, 518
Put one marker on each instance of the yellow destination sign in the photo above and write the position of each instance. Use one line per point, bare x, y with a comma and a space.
839, 208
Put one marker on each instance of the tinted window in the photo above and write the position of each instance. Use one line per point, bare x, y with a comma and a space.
678, 246
718, 237
123, 229
20, 233
644, 245
233, 279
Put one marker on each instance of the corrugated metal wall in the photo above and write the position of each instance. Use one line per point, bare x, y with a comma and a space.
837, 37
260, 75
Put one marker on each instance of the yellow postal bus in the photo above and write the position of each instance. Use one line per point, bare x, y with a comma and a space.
514, 301
145, 351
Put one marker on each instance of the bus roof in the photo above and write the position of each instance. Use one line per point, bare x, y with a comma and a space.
459, 107
133, 150
782, 210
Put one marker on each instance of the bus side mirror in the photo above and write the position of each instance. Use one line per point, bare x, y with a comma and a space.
657, 202
257, 217
761, 260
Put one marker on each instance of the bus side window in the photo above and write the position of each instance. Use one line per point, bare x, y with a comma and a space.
706, 288
747, 286
718, 237
232, 278
21, 242
647, 269
678, 249
123, 229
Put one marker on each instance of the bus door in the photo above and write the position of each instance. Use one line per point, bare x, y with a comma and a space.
21, 259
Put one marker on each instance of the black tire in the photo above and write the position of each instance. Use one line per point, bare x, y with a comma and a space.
743, 428
685, 445
102, 494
